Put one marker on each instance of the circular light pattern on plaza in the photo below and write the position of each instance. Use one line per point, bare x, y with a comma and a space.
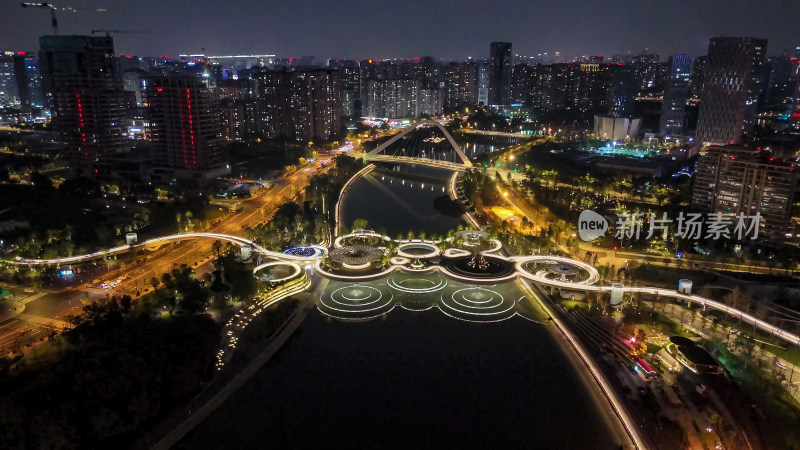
416, 285
355, 302
477, 304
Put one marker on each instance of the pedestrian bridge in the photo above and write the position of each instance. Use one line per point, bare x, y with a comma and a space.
161, 240
379, 152
589, 285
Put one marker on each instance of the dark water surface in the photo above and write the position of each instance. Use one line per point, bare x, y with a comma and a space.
398, 202
411, 380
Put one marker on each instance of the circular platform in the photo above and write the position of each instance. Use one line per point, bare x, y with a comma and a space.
477, 304
417, 250
275, 272
356, 302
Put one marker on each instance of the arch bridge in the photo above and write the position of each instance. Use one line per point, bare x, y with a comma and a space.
377, 155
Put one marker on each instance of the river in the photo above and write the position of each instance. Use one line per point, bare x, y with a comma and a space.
412, 379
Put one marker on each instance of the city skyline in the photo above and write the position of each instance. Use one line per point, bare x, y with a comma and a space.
357, 30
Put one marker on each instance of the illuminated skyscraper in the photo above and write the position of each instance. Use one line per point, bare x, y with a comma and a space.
499, 73
673, 110
731, 89
461, 85
80, 73
185, 129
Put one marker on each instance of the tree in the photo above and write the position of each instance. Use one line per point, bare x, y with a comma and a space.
41, 182
217, 246
126, 302
660, 193
360, 224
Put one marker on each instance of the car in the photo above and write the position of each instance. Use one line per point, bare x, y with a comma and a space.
28, 291
734, 331
780, 364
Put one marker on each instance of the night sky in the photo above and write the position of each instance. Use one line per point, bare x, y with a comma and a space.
392, 28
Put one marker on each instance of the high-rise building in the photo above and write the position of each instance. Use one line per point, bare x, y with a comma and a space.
9, 94
430, 102
401, 98
736, 179
132, 83
239, 109
461, 85
483, 82
185, 129
316, 104
499, 73
673, 110
29, 82
731, 89
350, 75
697, 79
373, 102
622, 92
588, 86
645, 72
523, 78
80, 74
794, 114
781, 72
551, 86
301, 104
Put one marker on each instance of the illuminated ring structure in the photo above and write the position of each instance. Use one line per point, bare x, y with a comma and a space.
295, 270
337, 243
356, 257
402, 285
356, 302
507, 271
427, 247
539, 277
477, 304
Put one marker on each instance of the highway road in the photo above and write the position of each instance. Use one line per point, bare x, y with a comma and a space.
195, 253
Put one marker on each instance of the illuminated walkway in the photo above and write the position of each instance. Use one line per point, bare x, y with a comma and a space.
521, 263
162, 240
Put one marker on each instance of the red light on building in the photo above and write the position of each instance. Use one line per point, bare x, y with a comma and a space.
159, 90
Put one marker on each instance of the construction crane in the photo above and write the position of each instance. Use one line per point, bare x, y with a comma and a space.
52, 8
108, 32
